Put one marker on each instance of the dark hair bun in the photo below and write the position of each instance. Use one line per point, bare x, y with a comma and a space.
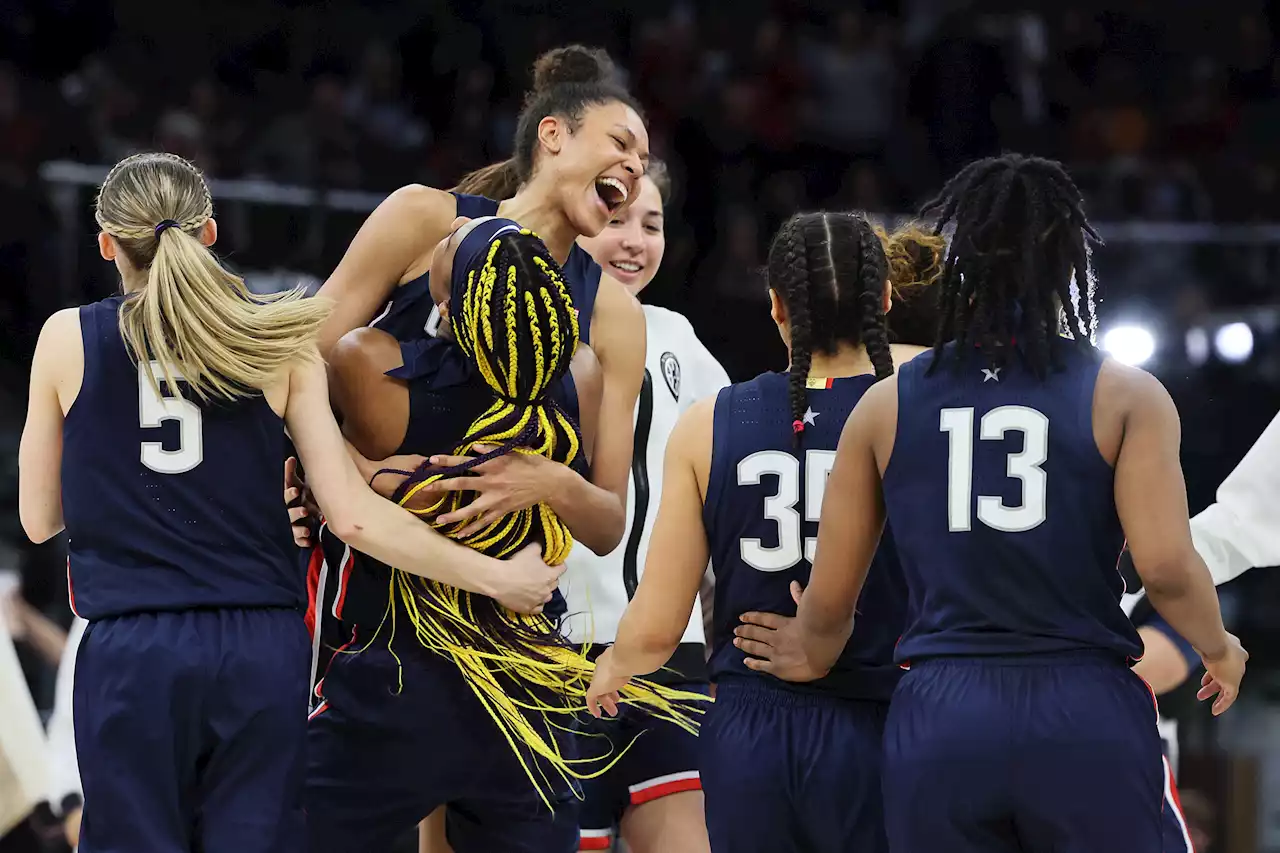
573, 64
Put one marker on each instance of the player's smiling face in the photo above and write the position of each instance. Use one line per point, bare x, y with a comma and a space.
630, 249
597, 167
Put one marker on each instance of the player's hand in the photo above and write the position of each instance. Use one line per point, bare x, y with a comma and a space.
303, 509
772, 644
603, 694
510, 483
524, 583
1222, 675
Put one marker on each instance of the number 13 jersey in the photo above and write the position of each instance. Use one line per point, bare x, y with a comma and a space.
1005, 511
764, 498
170, 504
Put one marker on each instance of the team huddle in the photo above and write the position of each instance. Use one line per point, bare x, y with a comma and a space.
519, 497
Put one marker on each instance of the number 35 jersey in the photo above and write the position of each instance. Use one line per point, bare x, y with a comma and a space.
1004, 511
764, 498
170, 504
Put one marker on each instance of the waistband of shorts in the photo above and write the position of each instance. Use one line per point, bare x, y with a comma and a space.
767, 691
1072, 657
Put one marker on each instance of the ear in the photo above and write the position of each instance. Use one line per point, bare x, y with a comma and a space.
107, 246
551, 133
888, 296
208, 233
777, 310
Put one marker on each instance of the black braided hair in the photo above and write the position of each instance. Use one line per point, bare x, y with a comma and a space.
1021, 238
829, 269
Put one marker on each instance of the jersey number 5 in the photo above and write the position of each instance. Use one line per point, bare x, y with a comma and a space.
780, 508
1023, 466
154, 410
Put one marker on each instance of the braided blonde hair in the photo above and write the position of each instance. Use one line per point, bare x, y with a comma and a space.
194, 316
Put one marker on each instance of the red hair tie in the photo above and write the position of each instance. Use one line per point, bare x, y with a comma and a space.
797, 427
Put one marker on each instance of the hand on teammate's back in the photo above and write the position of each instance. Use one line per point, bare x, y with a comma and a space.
528, 583
772, 644
1222, 675
510, 483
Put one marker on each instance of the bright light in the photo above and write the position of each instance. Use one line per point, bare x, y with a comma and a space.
1197, 346
1129, 344
1234, 342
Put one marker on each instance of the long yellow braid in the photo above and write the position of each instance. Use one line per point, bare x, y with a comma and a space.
516, 322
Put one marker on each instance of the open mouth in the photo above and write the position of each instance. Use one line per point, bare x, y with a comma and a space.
612, 192
630, 267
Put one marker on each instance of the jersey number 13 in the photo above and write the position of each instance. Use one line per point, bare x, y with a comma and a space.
1023, 466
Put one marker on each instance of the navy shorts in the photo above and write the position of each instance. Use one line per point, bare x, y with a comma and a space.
784, 772
1036, 753
387, 748
663, 760
191, 732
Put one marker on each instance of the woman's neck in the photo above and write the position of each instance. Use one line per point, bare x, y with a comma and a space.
133, 281
533, 209
845, 361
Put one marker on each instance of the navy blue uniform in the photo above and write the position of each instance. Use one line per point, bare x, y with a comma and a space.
790, 767
397, 735
1020, 725
191, 681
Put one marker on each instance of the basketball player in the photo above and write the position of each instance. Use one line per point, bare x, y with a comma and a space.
498, 690
156, 428
785, 767
1019, 723
580, 151
653, 794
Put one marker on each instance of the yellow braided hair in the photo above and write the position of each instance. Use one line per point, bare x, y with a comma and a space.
516, 322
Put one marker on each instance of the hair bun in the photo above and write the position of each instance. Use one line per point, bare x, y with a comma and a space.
573, 63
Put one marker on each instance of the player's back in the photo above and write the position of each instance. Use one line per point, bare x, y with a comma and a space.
170, 504
764, 498
1004, 511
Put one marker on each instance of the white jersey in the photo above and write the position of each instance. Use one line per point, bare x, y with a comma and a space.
679, 371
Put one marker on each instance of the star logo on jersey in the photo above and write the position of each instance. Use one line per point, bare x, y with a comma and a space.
989, 375
671, 373
811, 417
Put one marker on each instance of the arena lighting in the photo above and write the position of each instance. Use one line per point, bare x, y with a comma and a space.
1234, 342
1129, 344
1197, 346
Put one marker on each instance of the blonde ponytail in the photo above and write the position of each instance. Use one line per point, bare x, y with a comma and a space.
194, 316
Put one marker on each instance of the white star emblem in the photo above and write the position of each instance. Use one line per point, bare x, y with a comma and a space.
991, 375
810, 416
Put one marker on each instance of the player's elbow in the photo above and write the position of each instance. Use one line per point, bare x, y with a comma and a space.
39, 529
606, 535
1169, 578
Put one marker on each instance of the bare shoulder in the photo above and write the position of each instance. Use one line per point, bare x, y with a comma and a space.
62, 329
616, 311
1125, 388
902, 353
874, 421
423, 204
691, 439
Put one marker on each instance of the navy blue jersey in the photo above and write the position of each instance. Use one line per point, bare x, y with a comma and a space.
170, 504
1005, 512
764, 497
406, 315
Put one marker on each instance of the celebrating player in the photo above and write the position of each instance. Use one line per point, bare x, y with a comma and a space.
155, 433
1012, 462
784, 767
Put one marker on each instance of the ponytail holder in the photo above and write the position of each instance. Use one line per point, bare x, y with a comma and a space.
797, 427
166, 223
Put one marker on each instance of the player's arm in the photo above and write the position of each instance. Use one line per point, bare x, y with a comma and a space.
853, 509
1167, 659
654, 622
59, 352
396, 236
1241, 530
383, 530
1151, 501
618, 336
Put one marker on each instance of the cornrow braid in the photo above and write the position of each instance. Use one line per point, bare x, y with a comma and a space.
1021, 239
829, 269
517, 324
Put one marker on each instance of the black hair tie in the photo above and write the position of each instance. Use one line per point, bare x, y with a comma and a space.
166, 223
